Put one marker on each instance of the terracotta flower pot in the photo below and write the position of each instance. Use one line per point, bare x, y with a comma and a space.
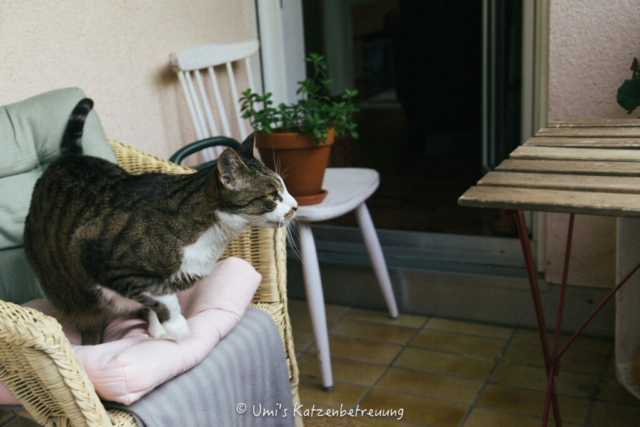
300, 162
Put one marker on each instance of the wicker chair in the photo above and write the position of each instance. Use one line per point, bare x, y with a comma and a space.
39, 367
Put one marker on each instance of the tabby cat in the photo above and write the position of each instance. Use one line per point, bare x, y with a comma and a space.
105, 242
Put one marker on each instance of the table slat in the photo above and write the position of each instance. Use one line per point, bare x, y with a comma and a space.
595, 123
562, 153
594, 132
583, 142
579, 202
571, 167
612, 184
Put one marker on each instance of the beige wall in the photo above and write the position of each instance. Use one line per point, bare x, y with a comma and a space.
118, 52
592, 44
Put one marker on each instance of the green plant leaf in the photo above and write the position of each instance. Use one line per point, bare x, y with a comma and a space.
314, 113
635, 66
629, 94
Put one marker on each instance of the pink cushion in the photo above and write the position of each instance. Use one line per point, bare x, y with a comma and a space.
130, 363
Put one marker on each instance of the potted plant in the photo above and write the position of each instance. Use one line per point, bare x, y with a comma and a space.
295, 139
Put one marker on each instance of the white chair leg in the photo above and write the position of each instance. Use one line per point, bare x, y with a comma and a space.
377, 258
315, 299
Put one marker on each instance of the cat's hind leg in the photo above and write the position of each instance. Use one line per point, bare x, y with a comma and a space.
90, 321
91, 334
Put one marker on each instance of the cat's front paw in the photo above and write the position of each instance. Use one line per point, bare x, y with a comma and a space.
157, 332
155, 329
177, 328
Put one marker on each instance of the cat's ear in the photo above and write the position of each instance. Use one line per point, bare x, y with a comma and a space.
230, 169
247, 149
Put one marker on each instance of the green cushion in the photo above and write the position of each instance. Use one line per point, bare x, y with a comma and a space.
18, 283
30, 136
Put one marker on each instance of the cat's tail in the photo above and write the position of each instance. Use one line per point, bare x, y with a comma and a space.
72, 139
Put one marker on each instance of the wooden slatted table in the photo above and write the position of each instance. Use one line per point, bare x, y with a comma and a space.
576, 167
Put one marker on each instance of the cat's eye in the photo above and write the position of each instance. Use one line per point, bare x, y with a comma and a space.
275, 197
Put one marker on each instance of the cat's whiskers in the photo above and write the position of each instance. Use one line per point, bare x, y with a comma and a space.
291, 228
276, 166
282, 173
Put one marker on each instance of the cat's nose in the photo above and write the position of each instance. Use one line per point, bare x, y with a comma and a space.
295, 208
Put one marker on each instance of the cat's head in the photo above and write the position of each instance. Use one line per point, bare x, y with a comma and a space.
250, 189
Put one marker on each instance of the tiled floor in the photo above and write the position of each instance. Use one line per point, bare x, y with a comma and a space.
449, 373
9, 420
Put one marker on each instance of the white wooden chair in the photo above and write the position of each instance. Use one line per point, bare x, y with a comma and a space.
191, 64
348, 188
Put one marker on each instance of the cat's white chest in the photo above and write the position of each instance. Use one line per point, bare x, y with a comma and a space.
199, 258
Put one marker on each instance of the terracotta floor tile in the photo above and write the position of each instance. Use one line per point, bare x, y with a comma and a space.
535, 378
332, 310
343, 394
530, 354
417, 409
431, 385
461, 344
408, 320
464, 366
527, 335
367, 351
587, 363
582, 343
21, 422
5, 416
302, 321
606, 414
349, 371
487, 331
482, 417
613, 391
302, 340
379, 422
373, 331
531, 402
297, 305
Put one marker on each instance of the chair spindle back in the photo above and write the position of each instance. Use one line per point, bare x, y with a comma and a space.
190, 65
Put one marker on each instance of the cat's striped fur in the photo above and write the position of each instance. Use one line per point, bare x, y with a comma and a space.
103, 241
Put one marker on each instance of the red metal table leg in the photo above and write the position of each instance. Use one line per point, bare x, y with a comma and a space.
552, 358
537, 303
553, 371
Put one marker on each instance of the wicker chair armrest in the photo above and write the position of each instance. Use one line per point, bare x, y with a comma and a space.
39, 367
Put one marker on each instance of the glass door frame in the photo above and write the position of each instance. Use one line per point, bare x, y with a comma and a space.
280, 29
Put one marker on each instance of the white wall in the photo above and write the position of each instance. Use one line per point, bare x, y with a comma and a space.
592, 44
118, 52
591, 47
